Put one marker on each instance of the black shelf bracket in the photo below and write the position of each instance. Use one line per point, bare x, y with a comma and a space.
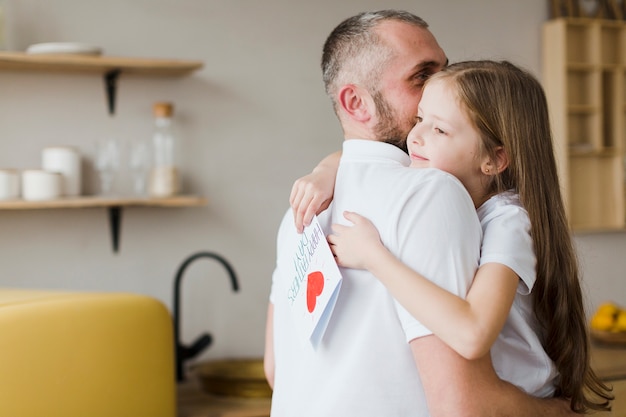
115, 222
110, 85
115, 212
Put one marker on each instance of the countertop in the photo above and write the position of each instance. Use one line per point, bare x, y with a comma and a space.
609, 361
193, 402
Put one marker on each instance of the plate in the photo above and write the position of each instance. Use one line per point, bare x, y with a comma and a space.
64, 48
609, 338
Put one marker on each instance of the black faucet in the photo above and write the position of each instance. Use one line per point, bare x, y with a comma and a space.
182, 352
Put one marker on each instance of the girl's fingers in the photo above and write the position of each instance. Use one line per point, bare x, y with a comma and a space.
353, 217
296, 194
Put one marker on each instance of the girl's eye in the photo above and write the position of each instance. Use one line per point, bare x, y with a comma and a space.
441, 132
418, 119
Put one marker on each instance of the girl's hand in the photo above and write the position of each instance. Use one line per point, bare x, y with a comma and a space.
310, 195
353, 246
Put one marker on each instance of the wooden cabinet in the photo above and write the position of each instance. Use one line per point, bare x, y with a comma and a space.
110, 68
584, 65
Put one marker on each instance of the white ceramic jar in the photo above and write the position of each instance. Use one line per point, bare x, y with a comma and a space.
64, 160
9, 184
38, 184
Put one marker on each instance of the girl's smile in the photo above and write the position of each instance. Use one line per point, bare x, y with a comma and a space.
415, 157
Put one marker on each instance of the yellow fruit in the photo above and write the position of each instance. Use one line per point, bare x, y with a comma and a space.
603, 322
620, 323
609, 317
609, 309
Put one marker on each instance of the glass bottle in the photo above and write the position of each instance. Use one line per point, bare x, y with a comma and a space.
164, 176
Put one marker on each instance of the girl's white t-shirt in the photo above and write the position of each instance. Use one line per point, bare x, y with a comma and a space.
517, 354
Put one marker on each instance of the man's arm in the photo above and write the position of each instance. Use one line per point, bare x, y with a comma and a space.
457, 387
268, 358
453, 385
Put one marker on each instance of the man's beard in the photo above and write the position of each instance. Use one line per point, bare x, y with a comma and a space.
388, 129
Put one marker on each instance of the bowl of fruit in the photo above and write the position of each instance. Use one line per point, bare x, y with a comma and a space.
608, 324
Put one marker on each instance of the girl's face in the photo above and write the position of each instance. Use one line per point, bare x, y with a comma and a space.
443, 137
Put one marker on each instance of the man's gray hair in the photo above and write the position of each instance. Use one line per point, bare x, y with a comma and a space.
353, 52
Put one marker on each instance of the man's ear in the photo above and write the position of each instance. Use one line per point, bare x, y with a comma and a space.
355, 102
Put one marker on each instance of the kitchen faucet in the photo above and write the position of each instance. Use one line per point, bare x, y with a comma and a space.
183, 352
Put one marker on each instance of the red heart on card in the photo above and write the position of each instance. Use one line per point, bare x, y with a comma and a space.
314, 287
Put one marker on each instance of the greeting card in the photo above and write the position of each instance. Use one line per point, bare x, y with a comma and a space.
315, 281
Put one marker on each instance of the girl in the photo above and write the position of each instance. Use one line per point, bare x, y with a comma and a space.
487, 123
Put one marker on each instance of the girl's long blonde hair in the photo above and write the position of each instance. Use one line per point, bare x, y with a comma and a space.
508, 107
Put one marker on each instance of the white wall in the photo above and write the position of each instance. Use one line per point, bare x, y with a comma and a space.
254, 119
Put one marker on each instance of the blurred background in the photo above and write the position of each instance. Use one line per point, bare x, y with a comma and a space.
250, 122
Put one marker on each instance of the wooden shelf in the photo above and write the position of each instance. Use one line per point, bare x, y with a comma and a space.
114, 205
108, 66
110, 69
582, 109
587, 151
99, 64
99, 201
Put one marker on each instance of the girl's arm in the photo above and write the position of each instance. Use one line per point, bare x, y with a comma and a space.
468, 326
313, 193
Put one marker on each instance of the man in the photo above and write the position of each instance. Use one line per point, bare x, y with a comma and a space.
374, 67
